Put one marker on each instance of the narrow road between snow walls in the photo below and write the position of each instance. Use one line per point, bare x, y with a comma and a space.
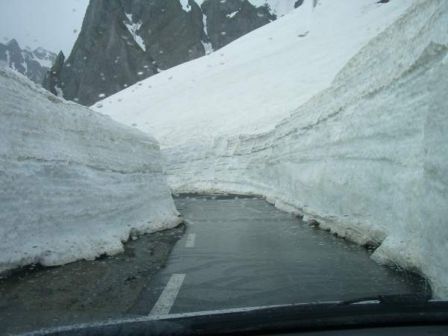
243, 252
236, 252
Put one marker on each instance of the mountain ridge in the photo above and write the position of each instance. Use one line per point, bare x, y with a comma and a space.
122, 42
34, 64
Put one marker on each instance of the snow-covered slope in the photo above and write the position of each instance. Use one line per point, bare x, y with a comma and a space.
33, 64
360, 88
257, 80
74, 184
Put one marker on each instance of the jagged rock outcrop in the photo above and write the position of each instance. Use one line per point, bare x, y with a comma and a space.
122, 42
226, 21
32, 63
51, 79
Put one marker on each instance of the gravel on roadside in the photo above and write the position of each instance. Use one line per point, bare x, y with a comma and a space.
36, 297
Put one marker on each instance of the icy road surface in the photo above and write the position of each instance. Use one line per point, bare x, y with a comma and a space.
244, 252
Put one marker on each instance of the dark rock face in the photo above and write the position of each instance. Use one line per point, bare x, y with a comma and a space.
298, 3
171, 34
124, 41
104, 59
230, 19
52, 77
33, 64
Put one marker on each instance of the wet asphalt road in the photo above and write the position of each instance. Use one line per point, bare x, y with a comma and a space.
83, 291
244, 252
235, 253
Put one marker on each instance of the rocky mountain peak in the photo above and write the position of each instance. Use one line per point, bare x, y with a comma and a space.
124, 41
13, 44
52, 78
33, 64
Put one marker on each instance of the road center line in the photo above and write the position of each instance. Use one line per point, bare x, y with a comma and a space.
191, 239
168, 296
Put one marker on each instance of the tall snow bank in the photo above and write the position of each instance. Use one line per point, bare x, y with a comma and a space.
367, 157
364, 153
74, 184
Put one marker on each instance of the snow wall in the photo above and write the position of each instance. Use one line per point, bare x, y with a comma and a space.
367, 158
74, 183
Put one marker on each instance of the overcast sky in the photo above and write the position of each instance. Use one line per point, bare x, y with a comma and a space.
51, 24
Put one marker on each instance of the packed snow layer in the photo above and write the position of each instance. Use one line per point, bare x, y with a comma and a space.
367, 158
361, 147
74, 183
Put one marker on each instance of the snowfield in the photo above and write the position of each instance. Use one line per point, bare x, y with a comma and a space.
74, 184
254, 82
336, 113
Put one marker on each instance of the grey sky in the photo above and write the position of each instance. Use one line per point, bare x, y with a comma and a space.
42, 23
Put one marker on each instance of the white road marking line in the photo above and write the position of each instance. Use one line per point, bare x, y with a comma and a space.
191, 239
168, 296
